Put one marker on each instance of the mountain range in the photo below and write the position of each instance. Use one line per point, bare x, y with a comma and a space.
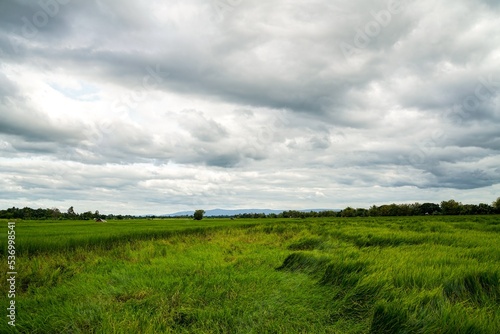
225, 212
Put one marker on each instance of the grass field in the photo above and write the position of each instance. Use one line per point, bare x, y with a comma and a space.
430, 274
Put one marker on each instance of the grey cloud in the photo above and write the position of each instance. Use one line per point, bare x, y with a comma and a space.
203, 129
26, 22
464, 178
7, 88
291, 83
225, 160
19, 118
34, 126
264, 93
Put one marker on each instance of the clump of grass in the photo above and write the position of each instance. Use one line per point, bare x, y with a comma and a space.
302, 262
344, 273
390, 318
306, 244
371, 240
479, 287
357, 302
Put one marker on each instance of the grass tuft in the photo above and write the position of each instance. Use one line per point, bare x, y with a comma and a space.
303, 262
346, 273
479, 287
306, 244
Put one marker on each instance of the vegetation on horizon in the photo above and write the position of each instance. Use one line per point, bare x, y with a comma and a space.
450, 207
198, 214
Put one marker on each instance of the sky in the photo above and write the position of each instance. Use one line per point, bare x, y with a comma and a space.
134, 107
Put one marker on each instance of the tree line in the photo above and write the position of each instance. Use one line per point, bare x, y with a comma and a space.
55, 213
450, 207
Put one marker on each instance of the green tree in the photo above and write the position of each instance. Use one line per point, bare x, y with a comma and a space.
373, 211
86, 215
484, 209
198, 214
470, 209
71, 213
348, 212
360, 212
451, 207
430, 208
55, 213
496, 205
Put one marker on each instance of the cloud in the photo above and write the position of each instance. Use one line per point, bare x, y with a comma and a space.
164, 107
19, 117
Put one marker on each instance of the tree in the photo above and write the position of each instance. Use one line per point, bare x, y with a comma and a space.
373, 211
470, 209
54, 213
496, 205
360, 212
71, 213
484, 209
405, 209
198, 214
451, 207
86, 215
388, 210
430, 208
348, 212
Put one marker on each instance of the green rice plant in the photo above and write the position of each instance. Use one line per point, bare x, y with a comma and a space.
335, 275
302, 262
480, 287
346, 273
306, 244
356, 303
390, 318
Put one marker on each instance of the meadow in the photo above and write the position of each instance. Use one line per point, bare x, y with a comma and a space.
431, 274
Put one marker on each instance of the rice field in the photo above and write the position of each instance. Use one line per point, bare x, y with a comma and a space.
431, 274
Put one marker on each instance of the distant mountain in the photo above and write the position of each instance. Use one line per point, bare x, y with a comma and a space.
224, 212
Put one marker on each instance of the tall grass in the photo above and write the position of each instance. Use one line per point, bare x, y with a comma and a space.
33, 237
370, 275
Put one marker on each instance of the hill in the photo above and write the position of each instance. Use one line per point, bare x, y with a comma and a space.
225, 212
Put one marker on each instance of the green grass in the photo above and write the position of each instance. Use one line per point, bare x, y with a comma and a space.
335, 275
61, 235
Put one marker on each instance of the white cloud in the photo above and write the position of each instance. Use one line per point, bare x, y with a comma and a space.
160, 107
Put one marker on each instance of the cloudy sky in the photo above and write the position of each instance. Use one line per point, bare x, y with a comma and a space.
154, 107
